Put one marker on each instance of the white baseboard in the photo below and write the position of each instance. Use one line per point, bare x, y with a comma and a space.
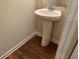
38, 33
22, 43
53, 40
18, 46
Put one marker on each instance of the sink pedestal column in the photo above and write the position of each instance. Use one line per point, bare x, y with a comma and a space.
47, 27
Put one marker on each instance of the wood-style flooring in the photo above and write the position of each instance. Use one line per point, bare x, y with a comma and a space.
33, 50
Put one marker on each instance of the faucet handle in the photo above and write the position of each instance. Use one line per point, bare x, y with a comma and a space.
51, 8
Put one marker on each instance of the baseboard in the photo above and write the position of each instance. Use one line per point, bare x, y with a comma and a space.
53, 40
18, 46
38, 33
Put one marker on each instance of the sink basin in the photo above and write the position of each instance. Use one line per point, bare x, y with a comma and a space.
47, 15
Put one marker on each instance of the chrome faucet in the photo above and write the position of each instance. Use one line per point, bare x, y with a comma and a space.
51, 8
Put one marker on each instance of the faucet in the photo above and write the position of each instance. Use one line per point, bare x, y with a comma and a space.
51, 8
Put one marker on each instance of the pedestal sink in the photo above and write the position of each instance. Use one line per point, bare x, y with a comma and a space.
48, 18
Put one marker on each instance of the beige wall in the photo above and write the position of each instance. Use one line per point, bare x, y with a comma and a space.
16, 22
58, 26
65, 3
39, 24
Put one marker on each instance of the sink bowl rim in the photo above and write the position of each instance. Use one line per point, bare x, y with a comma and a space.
39, 13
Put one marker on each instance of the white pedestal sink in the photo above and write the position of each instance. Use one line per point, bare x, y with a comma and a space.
48, 18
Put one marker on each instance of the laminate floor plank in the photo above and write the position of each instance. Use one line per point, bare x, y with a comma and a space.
33, 50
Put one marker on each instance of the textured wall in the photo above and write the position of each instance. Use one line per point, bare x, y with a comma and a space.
16, 22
